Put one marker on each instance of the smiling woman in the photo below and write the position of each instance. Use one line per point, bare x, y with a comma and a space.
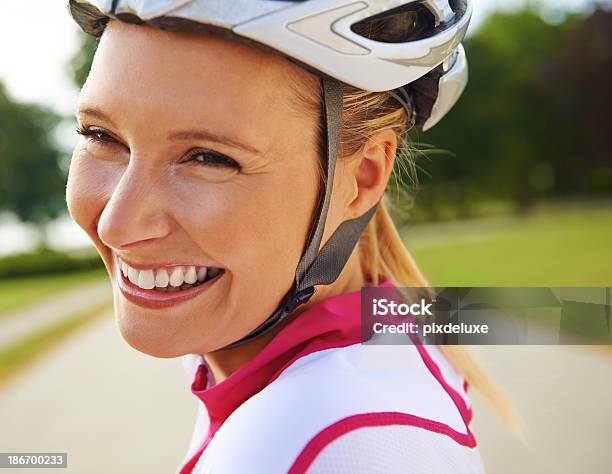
152, 191
204, 174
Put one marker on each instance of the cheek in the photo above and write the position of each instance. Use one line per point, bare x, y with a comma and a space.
90, 184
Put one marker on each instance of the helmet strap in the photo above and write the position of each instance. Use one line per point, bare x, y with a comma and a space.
320, 266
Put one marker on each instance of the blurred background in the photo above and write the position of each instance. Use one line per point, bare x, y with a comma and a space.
514, 189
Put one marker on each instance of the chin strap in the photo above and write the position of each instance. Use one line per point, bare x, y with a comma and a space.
320, 267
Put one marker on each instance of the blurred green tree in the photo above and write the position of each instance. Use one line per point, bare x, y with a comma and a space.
31, 182
576, 88
493, 130
529, 125
80, 63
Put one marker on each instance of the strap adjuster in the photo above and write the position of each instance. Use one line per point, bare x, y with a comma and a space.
297, 298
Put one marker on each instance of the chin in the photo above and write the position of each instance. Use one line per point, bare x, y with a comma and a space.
148, 335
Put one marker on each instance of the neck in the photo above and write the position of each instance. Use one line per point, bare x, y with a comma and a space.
224, 362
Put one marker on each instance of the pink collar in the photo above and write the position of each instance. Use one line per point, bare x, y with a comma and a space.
333, 322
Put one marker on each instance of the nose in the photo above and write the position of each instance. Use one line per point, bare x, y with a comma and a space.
135, 211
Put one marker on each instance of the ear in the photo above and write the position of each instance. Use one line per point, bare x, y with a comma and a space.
370, 172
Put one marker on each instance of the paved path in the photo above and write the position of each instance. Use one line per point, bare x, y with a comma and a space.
564, 394
51, 310
111, 408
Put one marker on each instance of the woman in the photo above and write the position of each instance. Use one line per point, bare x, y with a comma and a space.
230, 173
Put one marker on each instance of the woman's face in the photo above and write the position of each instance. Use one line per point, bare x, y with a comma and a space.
195, 165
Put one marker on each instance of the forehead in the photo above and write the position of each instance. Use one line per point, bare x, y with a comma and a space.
184, 77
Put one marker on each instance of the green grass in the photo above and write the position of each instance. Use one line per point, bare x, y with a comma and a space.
19, 292
569, 246
25, 351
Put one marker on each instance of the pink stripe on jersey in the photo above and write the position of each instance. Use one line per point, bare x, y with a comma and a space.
341, 427
457, 399
326, 436
469, 409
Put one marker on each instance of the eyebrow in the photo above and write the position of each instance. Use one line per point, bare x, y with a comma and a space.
179, 134
210, 136
94, 112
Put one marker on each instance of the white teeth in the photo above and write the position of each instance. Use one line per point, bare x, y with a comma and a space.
201, 274
190, 275
133, 275
176, 277
171, 279
161, 278
146, 280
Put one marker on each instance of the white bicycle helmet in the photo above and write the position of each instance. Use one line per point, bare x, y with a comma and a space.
409, 48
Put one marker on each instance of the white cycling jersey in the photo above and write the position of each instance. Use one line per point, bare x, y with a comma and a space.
316, 400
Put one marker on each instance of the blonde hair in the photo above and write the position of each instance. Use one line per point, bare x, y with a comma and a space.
382, 252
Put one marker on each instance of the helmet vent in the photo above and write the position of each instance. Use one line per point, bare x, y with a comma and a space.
458, 6
400, 25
